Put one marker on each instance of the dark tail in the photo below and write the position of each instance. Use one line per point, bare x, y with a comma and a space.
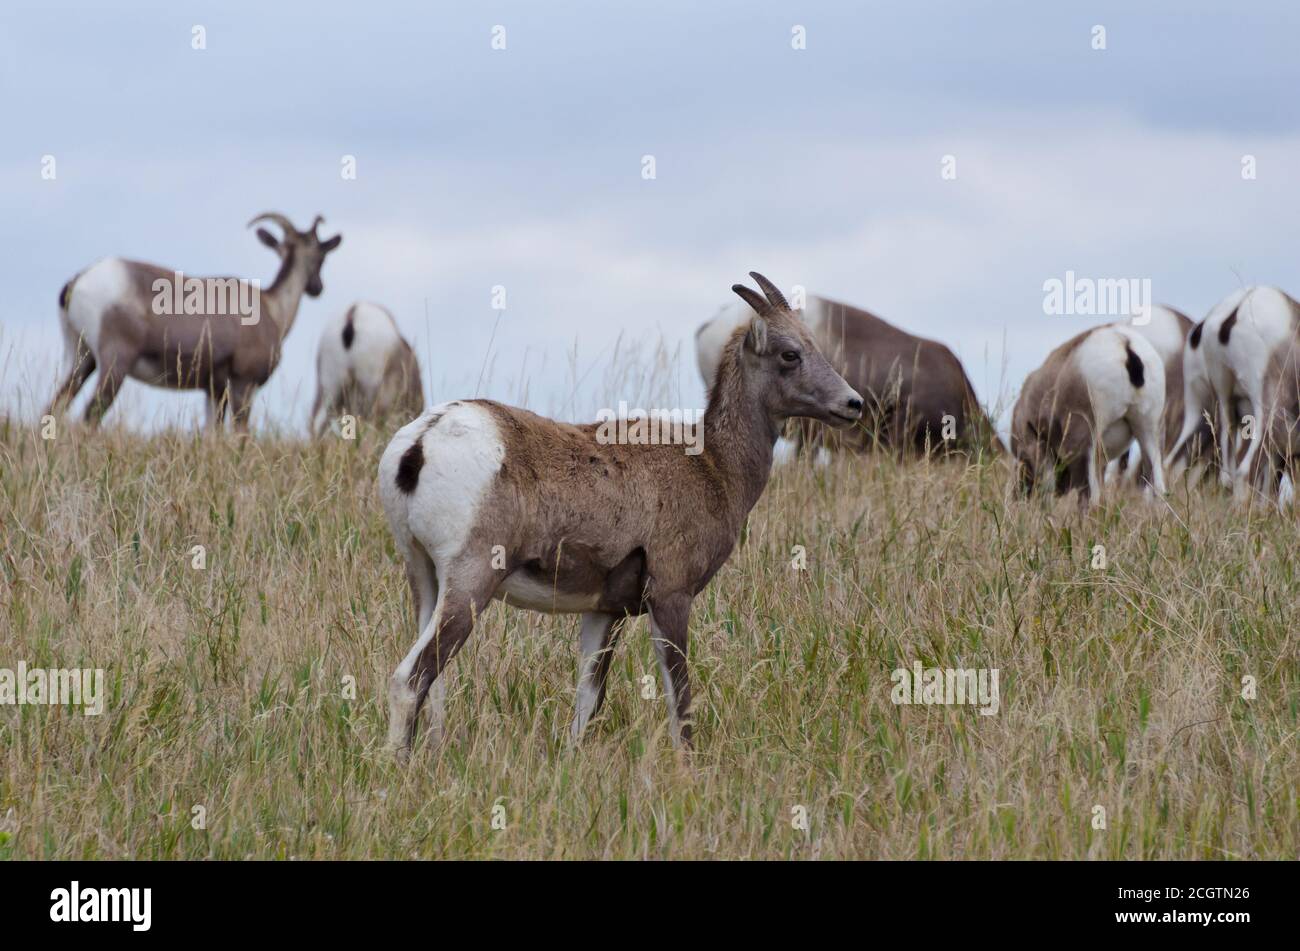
1133, 363
349, 331
1225, 331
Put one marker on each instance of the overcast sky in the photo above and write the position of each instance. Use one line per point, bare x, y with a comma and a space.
522, 167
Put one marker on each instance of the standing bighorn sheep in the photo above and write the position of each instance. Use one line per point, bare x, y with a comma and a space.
487, 501
910, 384
366, 368
1092, 396
218, 334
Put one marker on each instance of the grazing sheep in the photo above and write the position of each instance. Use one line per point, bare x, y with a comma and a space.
1238, 340
488, 501
912, 386
1092, 396
364, 367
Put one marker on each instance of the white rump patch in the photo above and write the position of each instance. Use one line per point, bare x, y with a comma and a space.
102, 285
463, 453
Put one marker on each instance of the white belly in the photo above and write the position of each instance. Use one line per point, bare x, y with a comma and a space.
522, 591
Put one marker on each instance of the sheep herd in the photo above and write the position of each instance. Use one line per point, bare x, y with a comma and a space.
491, 502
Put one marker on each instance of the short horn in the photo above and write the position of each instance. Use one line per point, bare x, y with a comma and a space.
773, 292
276, 218
317, 223
753, 299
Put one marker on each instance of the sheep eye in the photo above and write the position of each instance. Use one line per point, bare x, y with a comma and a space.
790, 356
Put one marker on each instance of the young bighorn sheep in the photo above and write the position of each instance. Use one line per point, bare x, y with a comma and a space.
1238, 340
366, 368
1092, 396
488, 501
910, 383
221, 335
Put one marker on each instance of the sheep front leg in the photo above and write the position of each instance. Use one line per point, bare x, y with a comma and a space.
241, 404
669, 618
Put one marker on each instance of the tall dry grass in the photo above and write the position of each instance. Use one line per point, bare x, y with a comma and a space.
1120, 688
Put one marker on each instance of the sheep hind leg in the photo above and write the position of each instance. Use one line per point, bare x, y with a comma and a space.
1091, 495
83, 365
112, 374
423, 579
1149, 438
319, 414
447, 629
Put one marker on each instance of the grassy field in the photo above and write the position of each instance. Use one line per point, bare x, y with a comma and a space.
228, 687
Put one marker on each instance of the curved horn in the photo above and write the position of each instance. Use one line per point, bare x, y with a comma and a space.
773, 292
277, 218
317, 223
751, 297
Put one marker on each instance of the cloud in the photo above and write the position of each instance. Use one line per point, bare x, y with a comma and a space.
525, 171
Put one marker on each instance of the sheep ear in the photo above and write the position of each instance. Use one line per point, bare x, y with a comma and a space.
268, 239
332, 243
756, 336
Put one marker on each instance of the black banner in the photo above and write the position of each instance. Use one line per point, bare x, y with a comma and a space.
1221, 901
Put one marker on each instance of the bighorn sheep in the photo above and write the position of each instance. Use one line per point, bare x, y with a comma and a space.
1167, 330
366, 368
487, 501
910, 383
221, 334
1237, 341
1093, 395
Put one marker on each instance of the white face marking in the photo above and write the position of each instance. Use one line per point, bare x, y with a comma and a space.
98, 288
